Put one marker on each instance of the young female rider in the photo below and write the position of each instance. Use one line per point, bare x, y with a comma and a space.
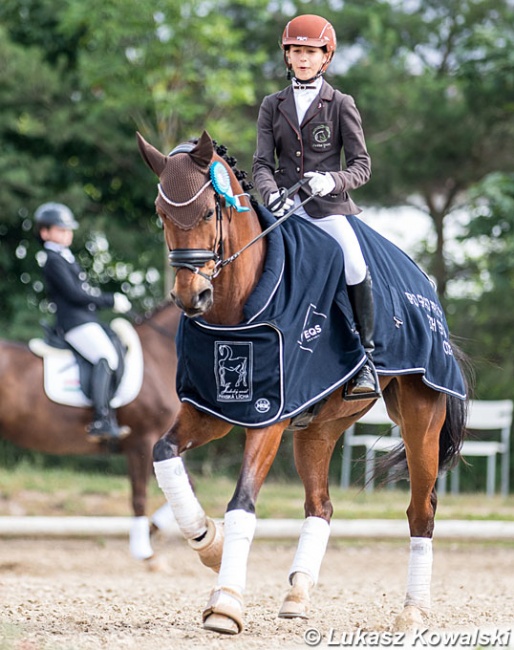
302, 131
76, 306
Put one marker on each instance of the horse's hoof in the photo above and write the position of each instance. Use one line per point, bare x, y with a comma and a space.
157, 564
293, 609
412, 618
296, 603
224, 612
221, 624
210, 547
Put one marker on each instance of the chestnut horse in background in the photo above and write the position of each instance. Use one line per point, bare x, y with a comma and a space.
29, 419
205, 235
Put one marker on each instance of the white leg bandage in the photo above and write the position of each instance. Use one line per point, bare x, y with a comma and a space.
311, 548
164, 519
139, 536
239, 532
420, 573
174, 482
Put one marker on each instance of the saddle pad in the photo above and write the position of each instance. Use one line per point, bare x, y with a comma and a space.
61, 371
297, 342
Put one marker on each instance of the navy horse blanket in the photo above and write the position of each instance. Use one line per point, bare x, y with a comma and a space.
297, 342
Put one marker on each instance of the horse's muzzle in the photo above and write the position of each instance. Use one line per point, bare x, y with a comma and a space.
199, 303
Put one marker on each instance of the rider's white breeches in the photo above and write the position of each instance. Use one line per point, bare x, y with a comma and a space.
338, 227
91, 341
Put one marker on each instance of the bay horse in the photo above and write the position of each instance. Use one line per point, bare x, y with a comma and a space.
29, 419
219, 256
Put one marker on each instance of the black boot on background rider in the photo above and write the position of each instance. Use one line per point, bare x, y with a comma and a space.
105, 426
361, 299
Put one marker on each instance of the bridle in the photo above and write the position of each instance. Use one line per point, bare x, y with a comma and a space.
193, 259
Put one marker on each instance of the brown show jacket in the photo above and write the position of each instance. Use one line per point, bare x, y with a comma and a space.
332, 124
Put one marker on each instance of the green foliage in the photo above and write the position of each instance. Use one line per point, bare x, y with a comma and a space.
434, 81
484, 318
435, 86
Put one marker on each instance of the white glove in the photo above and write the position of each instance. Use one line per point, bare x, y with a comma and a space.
321, 183
280, 208
121, 304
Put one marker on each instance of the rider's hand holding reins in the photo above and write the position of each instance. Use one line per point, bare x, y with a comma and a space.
121, 303
279, 203
321, 183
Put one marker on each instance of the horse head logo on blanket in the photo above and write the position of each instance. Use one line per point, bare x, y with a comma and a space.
232, 364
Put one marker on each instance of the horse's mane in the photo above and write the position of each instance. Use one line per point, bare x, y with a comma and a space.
240, 174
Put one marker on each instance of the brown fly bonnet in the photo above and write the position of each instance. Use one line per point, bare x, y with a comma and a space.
185, 186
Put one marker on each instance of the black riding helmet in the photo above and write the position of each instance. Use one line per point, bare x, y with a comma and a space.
54, 214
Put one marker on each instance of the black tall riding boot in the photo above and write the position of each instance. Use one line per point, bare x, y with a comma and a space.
361, 299
104, 425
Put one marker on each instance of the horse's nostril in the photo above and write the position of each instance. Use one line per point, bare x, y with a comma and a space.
175, 300
205, 297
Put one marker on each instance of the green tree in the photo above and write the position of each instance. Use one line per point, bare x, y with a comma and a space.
484, 313
56, 145
435, 84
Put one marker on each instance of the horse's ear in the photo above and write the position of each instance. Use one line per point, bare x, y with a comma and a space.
152, 157
204, 150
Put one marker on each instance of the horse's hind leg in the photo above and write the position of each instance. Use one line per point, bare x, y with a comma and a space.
313, 451
421, 427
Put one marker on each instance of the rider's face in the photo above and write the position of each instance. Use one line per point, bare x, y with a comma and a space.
57, 234
306, 61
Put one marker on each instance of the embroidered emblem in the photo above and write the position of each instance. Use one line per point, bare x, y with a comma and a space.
312, 328
233, 368
321, 137
262, 405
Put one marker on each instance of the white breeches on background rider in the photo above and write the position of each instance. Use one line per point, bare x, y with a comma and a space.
338, 227
91, 341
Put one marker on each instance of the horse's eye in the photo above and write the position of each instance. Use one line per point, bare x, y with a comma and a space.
209, 215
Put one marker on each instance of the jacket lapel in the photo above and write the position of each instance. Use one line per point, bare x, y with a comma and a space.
326, 94
287, 108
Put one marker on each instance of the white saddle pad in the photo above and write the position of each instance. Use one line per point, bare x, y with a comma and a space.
61, 371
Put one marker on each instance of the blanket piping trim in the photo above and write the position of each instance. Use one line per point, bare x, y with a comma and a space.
284, 416
275, 289
422, 371
223, 328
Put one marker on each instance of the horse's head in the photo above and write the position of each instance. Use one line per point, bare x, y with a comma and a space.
190, 209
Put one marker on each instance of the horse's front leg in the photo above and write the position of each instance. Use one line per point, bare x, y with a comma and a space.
225, 610
191, 429
313, 450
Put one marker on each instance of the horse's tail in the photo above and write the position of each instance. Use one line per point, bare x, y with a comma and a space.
393, 466
454, 429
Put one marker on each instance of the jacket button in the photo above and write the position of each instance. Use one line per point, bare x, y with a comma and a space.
298, 154
298, 169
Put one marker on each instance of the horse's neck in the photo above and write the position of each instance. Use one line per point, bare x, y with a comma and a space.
162, 325
238, 279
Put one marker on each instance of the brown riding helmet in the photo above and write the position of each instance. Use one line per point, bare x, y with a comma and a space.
310, 30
